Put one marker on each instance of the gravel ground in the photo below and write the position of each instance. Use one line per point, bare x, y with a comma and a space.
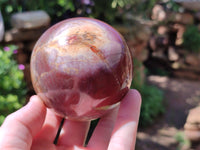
180, 96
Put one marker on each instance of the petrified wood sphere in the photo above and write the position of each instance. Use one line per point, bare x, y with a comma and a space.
81, 68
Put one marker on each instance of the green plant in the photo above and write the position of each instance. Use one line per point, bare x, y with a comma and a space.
183, 142
191, 39
152, 104
121, 11
152, 98
139, 74
159, 71
12, 85
111, 11
54, 8
171, 4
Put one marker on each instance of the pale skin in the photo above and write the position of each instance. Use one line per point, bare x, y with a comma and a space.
34, 127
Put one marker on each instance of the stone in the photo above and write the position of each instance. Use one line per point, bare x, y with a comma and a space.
192, 135
192, 59
142, 33
176, 65
158, 13
192, 5
162, 30
192, 125
137, 32
137, 38
1, 27
189, 126
186, 74
180, 28
30, 19
15, 35
172, 54
194, 117
159, 53
152, 43
183, 18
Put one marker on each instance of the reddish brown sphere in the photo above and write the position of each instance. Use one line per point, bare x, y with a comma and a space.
81, 68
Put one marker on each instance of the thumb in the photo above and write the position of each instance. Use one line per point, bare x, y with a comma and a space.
20, 127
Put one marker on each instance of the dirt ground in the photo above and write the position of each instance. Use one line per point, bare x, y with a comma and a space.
180, 96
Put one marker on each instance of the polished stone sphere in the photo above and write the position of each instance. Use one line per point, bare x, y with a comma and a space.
81, 68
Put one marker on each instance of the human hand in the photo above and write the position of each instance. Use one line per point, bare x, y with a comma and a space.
34, 127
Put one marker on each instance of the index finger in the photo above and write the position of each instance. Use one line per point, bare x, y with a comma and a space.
125, 130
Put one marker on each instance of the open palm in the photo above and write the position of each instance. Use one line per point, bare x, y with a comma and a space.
34, 128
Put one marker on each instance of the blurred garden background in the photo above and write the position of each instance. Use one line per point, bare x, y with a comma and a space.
163, 37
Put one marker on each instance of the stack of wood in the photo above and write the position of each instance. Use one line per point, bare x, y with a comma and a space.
166, 50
